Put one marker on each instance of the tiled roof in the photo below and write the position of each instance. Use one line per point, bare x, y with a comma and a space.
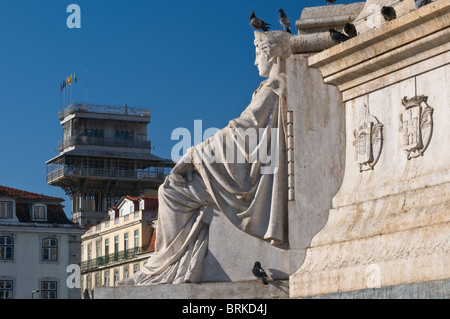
55, 214
132, 198
151, 202
8, 191
24, 201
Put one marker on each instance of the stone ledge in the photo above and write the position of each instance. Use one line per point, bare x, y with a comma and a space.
389, 44
314, 23
321, 18
220, 290
439, 289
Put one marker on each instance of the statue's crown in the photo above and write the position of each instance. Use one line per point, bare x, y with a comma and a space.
278, 40
414, 101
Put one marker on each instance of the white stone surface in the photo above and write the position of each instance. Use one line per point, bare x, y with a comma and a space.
232, 254
319, 146
390, 225
236, 290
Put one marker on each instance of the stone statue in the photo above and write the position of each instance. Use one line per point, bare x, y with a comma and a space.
239, 172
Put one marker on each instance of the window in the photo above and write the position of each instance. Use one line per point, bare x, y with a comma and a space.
6, 289
48, 290
98, 248
6, 210
89, 251
126, 272
6, 248
97, 280
49, 249
106, 278
136, 241
136, 268
116, 276
39, 212
107, 250
125, 241
116, 248
125, 245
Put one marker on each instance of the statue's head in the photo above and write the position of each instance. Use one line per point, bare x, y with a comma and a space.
272, 49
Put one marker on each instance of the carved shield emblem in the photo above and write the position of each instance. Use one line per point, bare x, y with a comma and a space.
368, 142
416, 124
363, 143
411, 129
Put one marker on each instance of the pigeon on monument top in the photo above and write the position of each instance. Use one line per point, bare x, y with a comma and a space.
257, 23
284, 21
421, 3
337, 36
388, 13
330, 1
350, 30
259, 273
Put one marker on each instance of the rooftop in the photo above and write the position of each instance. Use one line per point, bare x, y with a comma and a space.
103, 109
20, 194
55, 216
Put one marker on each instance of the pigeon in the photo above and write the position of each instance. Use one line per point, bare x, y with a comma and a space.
388, 13
337, 36
421, 3
350, 30
257, 23
259, 273
284, 21
330, 1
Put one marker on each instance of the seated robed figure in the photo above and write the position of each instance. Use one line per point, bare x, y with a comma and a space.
239, 172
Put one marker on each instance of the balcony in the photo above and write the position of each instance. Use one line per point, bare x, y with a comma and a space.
105, 260
103, 109
59, 171
101, 141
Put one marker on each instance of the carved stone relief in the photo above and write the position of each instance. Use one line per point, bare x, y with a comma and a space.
416, 125
368, 142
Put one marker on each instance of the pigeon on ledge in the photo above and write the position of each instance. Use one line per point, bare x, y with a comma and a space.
350, 30
259, 273
284, 21
257, 23
337, 36
421, 3
388, 13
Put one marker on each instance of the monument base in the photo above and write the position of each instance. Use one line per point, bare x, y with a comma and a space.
219, 290
439, 289
390, 241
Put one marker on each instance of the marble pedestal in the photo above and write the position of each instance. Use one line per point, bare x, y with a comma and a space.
390, 220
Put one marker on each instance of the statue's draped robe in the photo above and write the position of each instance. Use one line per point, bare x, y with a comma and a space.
254, 200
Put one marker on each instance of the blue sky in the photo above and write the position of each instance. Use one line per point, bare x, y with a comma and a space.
185, 60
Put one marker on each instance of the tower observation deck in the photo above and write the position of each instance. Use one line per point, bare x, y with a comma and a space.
104, 155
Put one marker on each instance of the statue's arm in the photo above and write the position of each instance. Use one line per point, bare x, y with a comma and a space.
182, 171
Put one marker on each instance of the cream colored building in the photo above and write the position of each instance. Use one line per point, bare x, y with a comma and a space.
120, 245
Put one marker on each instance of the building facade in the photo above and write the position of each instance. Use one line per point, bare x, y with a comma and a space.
105, 154
120, 245
37, 245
